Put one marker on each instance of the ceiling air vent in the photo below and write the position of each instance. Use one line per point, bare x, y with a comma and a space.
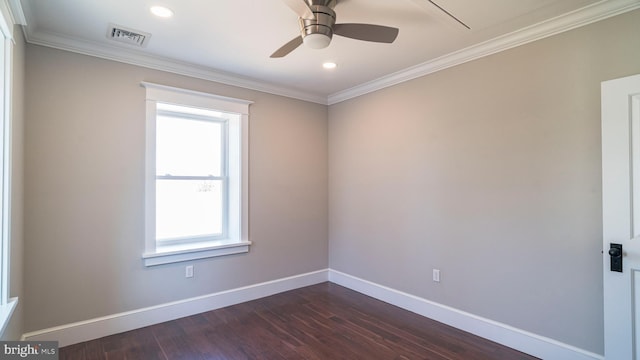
128, 36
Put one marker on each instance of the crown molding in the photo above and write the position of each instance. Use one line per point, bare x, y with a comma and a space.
581, 17
16, 12
599, 11
133, 57
11, 14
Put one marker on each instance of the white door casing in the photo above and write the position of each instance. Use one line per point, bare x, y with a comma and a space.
621, 215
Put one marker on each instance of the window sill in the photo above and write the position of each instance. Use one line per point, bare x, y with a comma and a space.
178, 253
6, 311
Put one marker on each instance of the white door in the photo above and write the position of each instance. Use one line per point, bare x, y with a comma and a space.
621, 216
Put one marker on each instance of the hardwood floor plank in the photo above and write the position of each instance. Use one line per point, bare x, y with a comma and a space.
136, 344
93, 350
220, 340
319, 322
445, 340
73, 352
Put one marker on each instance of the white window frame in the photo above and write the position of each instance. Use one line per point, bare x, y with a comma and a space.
7, 305
224, 177
237, 240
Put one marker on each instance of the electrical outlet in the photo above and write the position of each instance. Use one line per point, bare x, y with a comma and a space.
188, 271
436, 275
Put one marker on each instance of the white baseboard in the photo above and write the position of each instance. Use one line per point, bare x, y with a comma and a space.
108, 325
532, 344
521, 340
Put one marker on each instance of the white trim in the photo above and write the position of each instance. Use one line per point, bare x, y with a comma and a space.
112, 324
536, 345
159, 257
134, 57
7, 142
7, 305
150, 173
237, 150
581, 17
6, 20
599, 11
584, 16
157, 92
506, 335
5, 162
6, 311
17, 14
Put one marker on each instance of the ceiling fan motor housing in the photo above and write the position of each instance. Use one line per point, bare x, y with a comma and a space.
318, 31
317, 22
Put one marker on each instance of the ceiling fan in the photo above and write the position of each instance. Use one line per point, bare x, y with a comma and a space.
317, 21
318, 24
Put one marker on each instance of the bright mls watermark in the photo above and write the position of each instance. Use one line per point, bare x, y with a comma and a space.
29, 350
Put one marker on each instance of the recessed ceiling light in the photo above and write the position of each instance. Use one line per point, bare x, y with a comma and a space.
329, 65
161, 11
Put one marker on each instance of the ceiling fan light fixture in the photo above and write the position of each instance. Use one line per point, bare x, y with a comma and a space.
317, 21
316, 41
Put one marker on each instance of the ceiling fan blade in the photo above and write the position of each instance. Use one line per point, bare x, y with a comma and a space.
440, 12
367, 32
300, 7
450, 14
288, 47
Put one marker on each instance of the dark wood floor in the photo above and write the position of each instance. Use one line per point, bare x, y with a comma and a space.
324, 321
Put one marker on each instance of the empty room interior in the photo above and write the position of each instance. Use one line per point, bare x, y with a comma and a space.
449, 165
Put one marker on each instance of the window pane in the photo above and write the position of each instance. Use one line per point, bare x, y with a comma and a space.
187, 147
188, 208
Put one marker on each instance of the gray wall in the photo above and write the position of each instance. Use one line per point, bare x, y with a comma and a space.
84, 179
491, 172
14, 328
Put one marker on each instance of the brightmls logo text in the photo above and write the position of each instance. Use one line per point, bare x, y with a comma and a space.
29, 350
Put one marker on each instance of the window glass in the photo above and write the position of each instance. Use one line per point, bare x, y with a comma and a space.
189, 208
188, 147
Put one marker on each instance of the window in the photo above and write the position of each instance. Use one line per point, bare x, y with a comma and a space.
6, 305
196, 175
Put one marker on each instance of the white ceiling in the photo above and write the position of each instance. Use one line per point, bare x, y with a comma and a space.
231, 40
